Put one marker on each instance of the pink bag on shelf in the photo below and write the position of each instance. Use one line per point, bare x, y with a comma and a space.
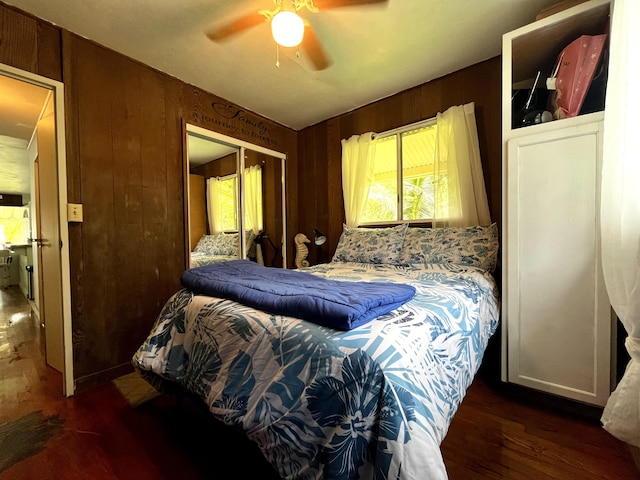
575, 68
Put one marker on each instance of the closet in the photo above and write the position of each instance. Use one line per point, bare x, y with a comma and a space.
556, 318
210, 154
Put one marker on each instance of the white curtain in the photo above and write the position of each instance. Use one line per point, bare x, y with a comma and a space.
460, 194
214, 209
253, 198
253, 203
620, 211
357, 175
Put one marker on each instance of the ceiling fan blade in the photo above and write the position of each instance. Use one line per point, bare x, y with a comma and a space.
328, 4
313, 49
234, 27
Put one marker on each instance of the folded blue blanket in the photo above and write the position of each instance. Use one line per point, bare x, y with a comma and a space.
338, 304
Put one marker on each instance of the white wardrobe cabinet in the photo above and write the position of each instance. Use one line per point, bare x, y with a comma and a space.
558, 317
557, 326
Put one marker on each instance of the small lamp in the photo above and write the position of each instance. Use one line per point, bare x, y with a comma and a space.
319, 238
287, 28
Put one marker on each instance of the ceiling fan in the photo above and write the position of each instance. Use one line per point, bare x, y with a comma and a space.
288, 28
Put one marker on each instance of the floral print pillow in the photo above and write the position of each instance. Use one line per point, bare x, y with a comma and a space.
370, 245
221, 244
469, 246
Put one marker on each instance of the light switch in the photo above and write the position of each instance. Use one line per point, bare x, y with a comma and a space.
74, 212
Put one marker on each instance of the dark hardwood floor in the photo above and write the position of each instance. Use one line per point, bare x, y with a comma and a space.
96, 434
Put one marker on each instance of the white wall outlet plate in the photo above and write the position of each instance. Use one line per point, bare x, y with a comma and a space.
74, 212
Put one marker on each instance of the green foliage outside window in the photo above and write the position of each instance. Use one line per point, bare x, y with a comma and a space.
229, 201
413, 153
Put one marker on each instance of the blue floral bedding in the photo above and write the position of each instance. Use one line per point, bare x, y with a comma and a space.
199, 259
374, 402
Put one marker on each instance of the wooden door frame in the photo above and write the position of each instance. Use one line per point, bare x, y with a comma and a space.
57, 89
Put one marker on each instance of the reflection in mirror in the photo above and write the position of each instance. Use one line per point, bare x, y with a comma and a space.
213, 200
263, 194
223, 202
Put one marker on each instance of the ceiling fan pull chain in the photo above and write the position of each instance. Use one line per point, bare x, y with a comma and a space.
277, 56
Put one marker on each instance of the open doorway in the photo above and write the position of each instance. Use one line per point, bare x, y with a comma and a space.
33, 180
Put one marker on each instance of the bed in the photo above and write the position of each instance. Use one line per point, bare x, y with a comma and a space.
370, 401
221, 247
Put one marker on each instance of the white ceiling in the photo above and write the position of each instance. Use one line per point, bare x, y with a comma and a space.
21, 105
376, 51
202, 150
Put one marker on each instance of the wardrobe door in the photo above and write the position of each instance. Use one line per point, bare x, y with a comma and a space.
558, 316
197, 209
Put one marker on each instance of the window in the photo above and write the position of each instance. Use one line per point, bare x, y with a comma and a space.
223, 202
227, 196
408, 183
14, 225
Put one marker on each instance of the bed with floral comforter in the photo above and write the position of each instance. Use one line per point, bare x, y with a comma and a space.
374, 402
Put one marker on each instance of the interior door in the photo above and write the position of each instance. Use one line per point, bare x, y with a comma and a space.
48, 242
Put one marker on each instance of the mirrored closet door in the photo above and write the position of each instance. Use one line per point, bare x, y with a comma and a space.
232, 187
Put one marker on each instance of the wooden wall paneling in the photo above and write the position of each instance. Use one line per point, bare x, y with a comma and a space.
490, 135
317, 195
49, 53
292, 165
312, 192
454, 89
412, 105
335, 204
127, 127
382, 115
74, 194
429, 101
314, 183
209, 111
30, 44
72, 136
92, 81
19, 40
132, 247
175, 230
163, 199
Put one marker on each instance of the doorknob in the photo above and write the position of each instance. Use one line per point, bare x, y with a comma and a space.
39, 241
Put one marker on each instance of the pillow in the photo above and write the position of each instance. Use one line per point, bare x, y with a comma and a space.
221, 244
469, 246
370, 245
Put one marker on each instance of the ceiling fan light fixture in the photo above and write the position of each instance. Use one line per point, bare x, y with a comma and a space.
287, 28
